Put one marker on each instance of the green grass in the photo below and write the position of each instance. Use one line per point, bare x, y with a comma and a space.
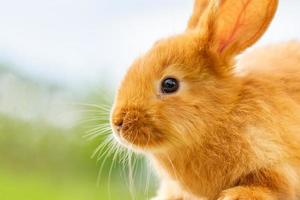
40, 162
33, 186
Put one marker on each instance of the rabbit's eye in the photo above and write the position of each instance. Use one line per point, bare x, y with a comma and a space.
169, 85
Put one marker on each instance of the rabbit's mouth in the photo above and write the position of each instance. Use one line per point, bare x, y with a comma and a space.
135, 136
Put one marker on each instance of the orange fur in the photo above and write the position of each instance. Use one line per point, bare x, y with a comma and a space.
231, 131
199, 8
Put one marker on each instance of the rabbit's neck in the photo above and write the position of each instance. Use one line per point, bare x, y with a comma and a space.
199, 169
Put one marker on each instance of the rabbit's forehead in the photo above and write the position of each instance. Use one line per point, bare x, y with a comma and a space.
175, 53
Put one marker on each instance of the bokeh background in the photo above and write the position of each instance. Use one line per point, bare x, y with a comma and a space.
60, 63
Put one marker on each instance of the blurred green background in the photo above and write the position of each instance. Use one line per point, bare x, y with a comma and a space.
44, 151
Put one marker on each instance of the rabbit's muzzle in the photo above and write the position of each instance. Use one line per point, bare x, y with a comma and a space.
136, 127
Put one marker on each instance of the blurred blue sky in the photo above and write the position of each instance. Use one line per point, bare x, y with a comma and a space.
76, 42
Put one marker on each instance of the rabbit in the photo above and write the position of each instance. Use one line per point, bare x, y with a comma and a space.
217, 122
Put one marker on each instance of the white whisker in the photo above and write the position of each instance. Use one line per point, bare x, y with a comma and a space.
110, 170
100, 107
98, 131
98, 119
130, 178
100, 135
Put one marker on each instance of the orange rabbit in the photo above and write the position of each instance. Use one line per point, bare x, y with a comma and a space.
215, 129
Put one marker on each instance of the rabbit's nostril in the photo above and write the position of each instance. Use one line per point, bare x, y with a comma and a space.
118, 123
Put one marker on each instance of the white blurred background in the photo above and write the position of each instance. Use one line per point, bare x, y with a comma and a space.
75, 42
84, 46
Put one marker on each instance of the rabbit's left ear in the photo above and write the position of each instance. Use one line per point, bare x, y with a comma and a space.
234, 25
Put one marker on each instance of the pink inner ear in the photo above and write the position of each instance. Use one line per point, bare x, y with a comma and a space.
225, 42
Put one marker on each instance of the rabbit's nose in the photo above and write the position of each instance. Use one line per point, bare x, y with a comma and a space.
118, 123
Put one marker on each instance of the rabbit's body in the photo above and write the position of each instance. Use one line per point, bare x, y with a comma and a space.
213, 130
268, 115
280, 63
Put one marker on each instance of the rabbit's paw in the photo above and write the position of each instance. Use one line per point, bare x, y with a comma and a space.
245, 193
228, 196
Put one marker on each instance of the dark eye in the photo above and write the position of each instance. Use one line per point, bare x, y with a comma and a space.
169, 85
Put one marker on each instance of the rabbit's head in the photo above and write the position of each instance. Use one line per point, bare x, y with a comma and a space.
176, 93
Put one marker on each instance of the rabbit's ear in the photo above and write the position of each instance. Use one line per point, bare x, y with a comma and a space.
199, 8
234, 25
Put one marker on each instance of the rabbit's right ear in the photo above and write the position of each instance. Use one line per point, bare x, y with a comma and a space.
199, 9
